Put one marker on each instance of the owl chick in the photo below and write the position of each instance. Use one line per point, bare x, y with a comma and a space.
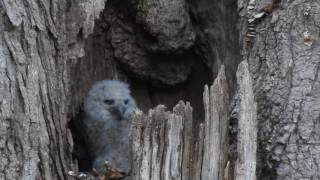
106, 125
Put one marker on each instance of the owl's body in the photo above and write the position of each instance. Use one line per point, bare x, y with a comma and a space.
106, 125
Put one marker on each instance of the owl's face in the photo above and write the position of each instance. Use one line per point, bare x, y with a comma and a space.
117, 102
109, 99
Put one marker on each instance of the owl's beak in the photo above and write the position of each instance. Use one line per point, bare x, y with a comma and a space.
119, 109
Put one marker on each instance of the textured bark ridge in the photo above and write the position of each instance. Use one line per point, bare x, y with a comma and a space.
284, 62
38, 40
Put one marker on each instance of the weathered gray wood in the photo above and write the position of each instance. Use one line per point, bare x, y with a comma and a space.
216, 103
157, 145
185, 111
163, 143
245, 168
198, 154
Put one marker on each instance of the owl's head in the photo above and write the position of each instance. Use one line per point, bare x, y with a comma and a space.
109, 98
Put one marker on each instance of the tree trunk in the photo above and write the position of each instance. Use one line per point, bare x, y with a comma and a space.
51, 52
284, 62
40, 43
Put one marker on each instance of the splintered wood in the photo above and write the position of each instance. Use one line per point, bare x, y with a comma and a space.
161, 143
247, 136
215, 147
163, 146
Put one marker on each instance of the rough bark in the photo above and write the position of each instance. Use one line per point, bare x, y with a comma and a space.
40, 40
284, 62
48, 60
245, 167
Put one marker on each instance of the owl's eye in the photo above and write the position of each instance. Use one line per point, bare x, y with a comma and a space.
126, 101
108, 101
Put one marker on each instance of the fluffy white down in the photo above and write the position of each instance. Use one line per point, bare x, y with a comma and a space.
106, 126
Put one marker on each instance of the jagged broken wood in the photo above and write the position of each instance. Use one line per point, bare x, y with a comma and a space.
245, 168
215, 150
162, 141
159, 142
164, 147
